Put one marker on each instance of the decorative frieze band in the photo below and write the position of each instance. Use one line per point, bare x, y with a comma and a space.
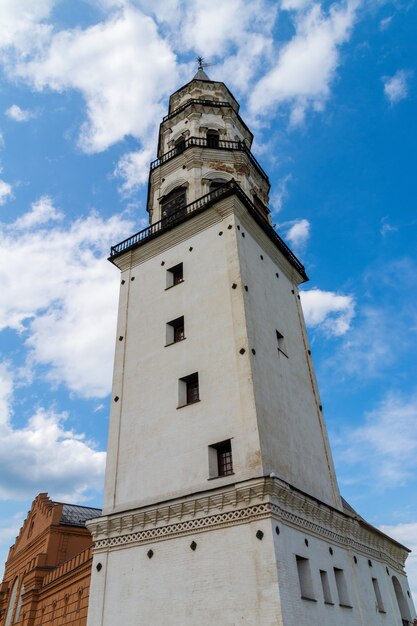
243, 503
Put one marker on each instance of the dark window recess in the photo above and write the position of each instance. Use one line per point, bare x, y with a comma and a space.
305, 578
175, 275
173, 202
263, 210
220, 459
175, 330
212, 139
216, 183
281, 343
180, 145
189, 389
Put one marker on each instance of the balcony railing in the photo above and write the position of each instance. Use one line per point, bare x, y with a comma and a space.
213, 103
203, 142
198, 206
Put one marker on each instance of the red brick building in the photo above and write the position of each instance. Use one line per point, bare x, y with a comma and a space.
48, 569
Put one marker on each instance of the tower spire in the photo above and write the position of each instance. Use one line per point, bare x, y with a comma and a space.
201, 74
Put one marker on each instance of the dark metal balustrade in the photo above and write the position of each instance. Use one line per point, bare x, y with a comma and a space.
203, 142
199, 205
213, 103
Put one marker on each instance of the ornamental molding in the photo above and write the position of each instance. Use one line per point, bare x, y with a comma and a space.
241, 504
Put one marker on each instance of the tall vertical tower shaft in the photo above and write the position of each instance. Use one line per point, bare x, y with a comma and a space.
218, 459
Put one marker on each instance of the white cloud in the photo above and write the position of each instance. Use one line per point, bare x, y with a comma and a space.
41, 212
280, 193
298, 233
6, 191
21, 24
19, 115
61, 294
43, 455
395, 87
122, 67
328, 311
385, 23
386, 227
133, 169
213, 27
307, 64
407, 535
387, 441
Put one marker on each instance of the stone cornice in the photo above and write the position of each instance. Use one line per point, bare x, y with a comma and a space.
243, 503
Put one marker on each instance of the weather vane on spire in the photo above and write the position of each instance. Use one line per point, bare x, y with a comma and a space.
202, 64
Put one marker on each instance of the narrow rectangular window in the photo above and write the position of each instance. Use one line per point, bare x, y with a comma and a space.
281, 343
305, 579
341, 586
327, 596
188, 390
378, 597
175, 331
175, 275
220, 459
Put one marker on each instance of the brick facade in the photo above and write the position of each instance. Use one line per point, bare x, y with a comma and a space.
48, 570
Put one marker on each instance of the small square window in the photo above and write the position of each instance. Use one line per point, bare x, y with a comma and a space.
281, 343
175, 331
220, 459
175, 275
188, 390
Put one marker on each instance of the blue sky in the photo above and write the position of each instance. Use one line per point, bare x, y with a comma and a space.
329, 91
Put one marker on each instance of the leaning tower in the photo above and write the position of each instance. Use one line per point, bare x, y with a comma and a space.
221, 502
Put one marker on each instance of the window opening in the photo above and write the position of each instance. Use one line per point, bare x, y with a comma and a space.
180, 145
281, 343
220, 459
175, 331
260, 205
213, 139
11, 603
175, 275
327, 596
216, 183
378, 597
305, 579
188, 390
341, 587
19, 603
174, 203
402, 602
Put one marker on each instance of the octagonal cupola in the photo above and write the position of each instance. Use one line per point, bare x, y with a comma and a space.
203, 144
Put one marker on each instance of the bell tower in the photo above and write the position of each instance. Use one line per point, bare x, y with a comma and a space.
220, 485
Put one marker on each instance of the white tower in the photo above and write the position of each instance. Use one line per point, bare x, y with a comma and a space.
221, 502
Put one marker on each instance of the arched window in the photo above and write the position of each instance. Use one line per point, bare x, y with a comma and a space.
173, 202
402, 602
19, 603
216, 183
180, 145
11, 604
213, 139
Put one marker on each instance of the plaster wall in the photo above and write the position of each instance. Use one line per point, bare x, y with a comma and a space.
157, 450
362, 610
293, 437
229, 579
